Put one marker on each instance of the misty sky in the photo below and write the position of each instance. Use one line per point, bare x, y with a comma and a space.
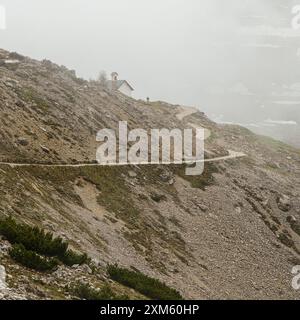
219, 55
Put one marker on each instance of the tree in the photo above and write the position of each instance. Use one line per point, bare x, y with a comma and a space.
102, 78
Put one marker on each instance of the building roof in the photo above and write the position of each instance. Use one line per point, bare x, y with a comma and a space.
117, 84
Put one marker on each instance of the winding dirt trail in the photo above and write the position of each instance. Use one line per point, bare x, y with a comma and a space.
185, 112
232, 155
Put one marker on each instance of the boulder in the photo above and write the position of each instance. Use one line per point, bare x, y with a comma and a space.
167, 177
291, 219
3, 285
45, 149
132, 174
284, 203
20, 104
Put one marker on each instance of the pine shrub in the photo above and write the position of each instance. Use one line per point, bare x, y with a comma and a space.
32, 238
31, 259
150, 287
38, 241
70, 258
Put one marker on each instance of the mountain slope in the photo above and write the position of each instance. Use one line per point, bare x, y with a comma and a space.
232, 232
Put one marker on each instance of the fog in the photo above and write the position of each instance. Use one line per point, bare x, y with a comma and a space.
237, 60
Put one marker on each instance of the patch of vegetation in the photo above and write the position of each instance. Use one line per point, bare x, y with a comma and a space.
30, 95
113, 191
40, 242
150, 287
201, 181
286, 239
295, 225
70, 258
84, 291
116, 197
32, 238
32, 260
158, 197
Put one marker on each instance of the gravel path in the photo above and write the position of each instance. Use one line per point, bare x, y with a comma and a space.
186, 111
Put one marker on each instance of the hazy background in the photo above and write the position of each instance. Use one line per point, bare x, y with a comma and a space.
237, 60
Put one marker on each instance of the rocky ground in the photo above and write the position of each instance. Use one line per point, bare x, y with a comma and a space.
230, 233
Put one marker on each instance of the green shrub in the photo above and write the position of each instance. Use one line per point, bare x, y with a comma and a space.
152, 288
84, 291
40, 242
31, 260
70, 258
32, 238
158, 197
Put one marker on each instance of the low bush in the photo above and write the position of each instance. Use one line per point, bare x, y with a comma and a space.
151, 288
38, 241
32, 238
158, 197
84, 291
31, 259
70, 258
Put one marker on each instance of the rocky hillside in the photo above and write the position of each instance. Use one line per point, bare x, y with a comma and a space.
233, 232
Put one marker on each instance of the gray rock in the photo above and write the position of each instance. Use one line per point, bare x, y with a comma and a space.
238, 210
86, 269
20, 104
3, 285
284, 203
132, 174
167, 178
291, 219
11, 83
171, 181
45, 149
202, 207
23, 142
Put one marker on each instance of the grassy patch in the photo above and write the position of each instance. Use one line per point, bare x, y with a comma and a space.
114, 194
295, 225
30, 95
151, 288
